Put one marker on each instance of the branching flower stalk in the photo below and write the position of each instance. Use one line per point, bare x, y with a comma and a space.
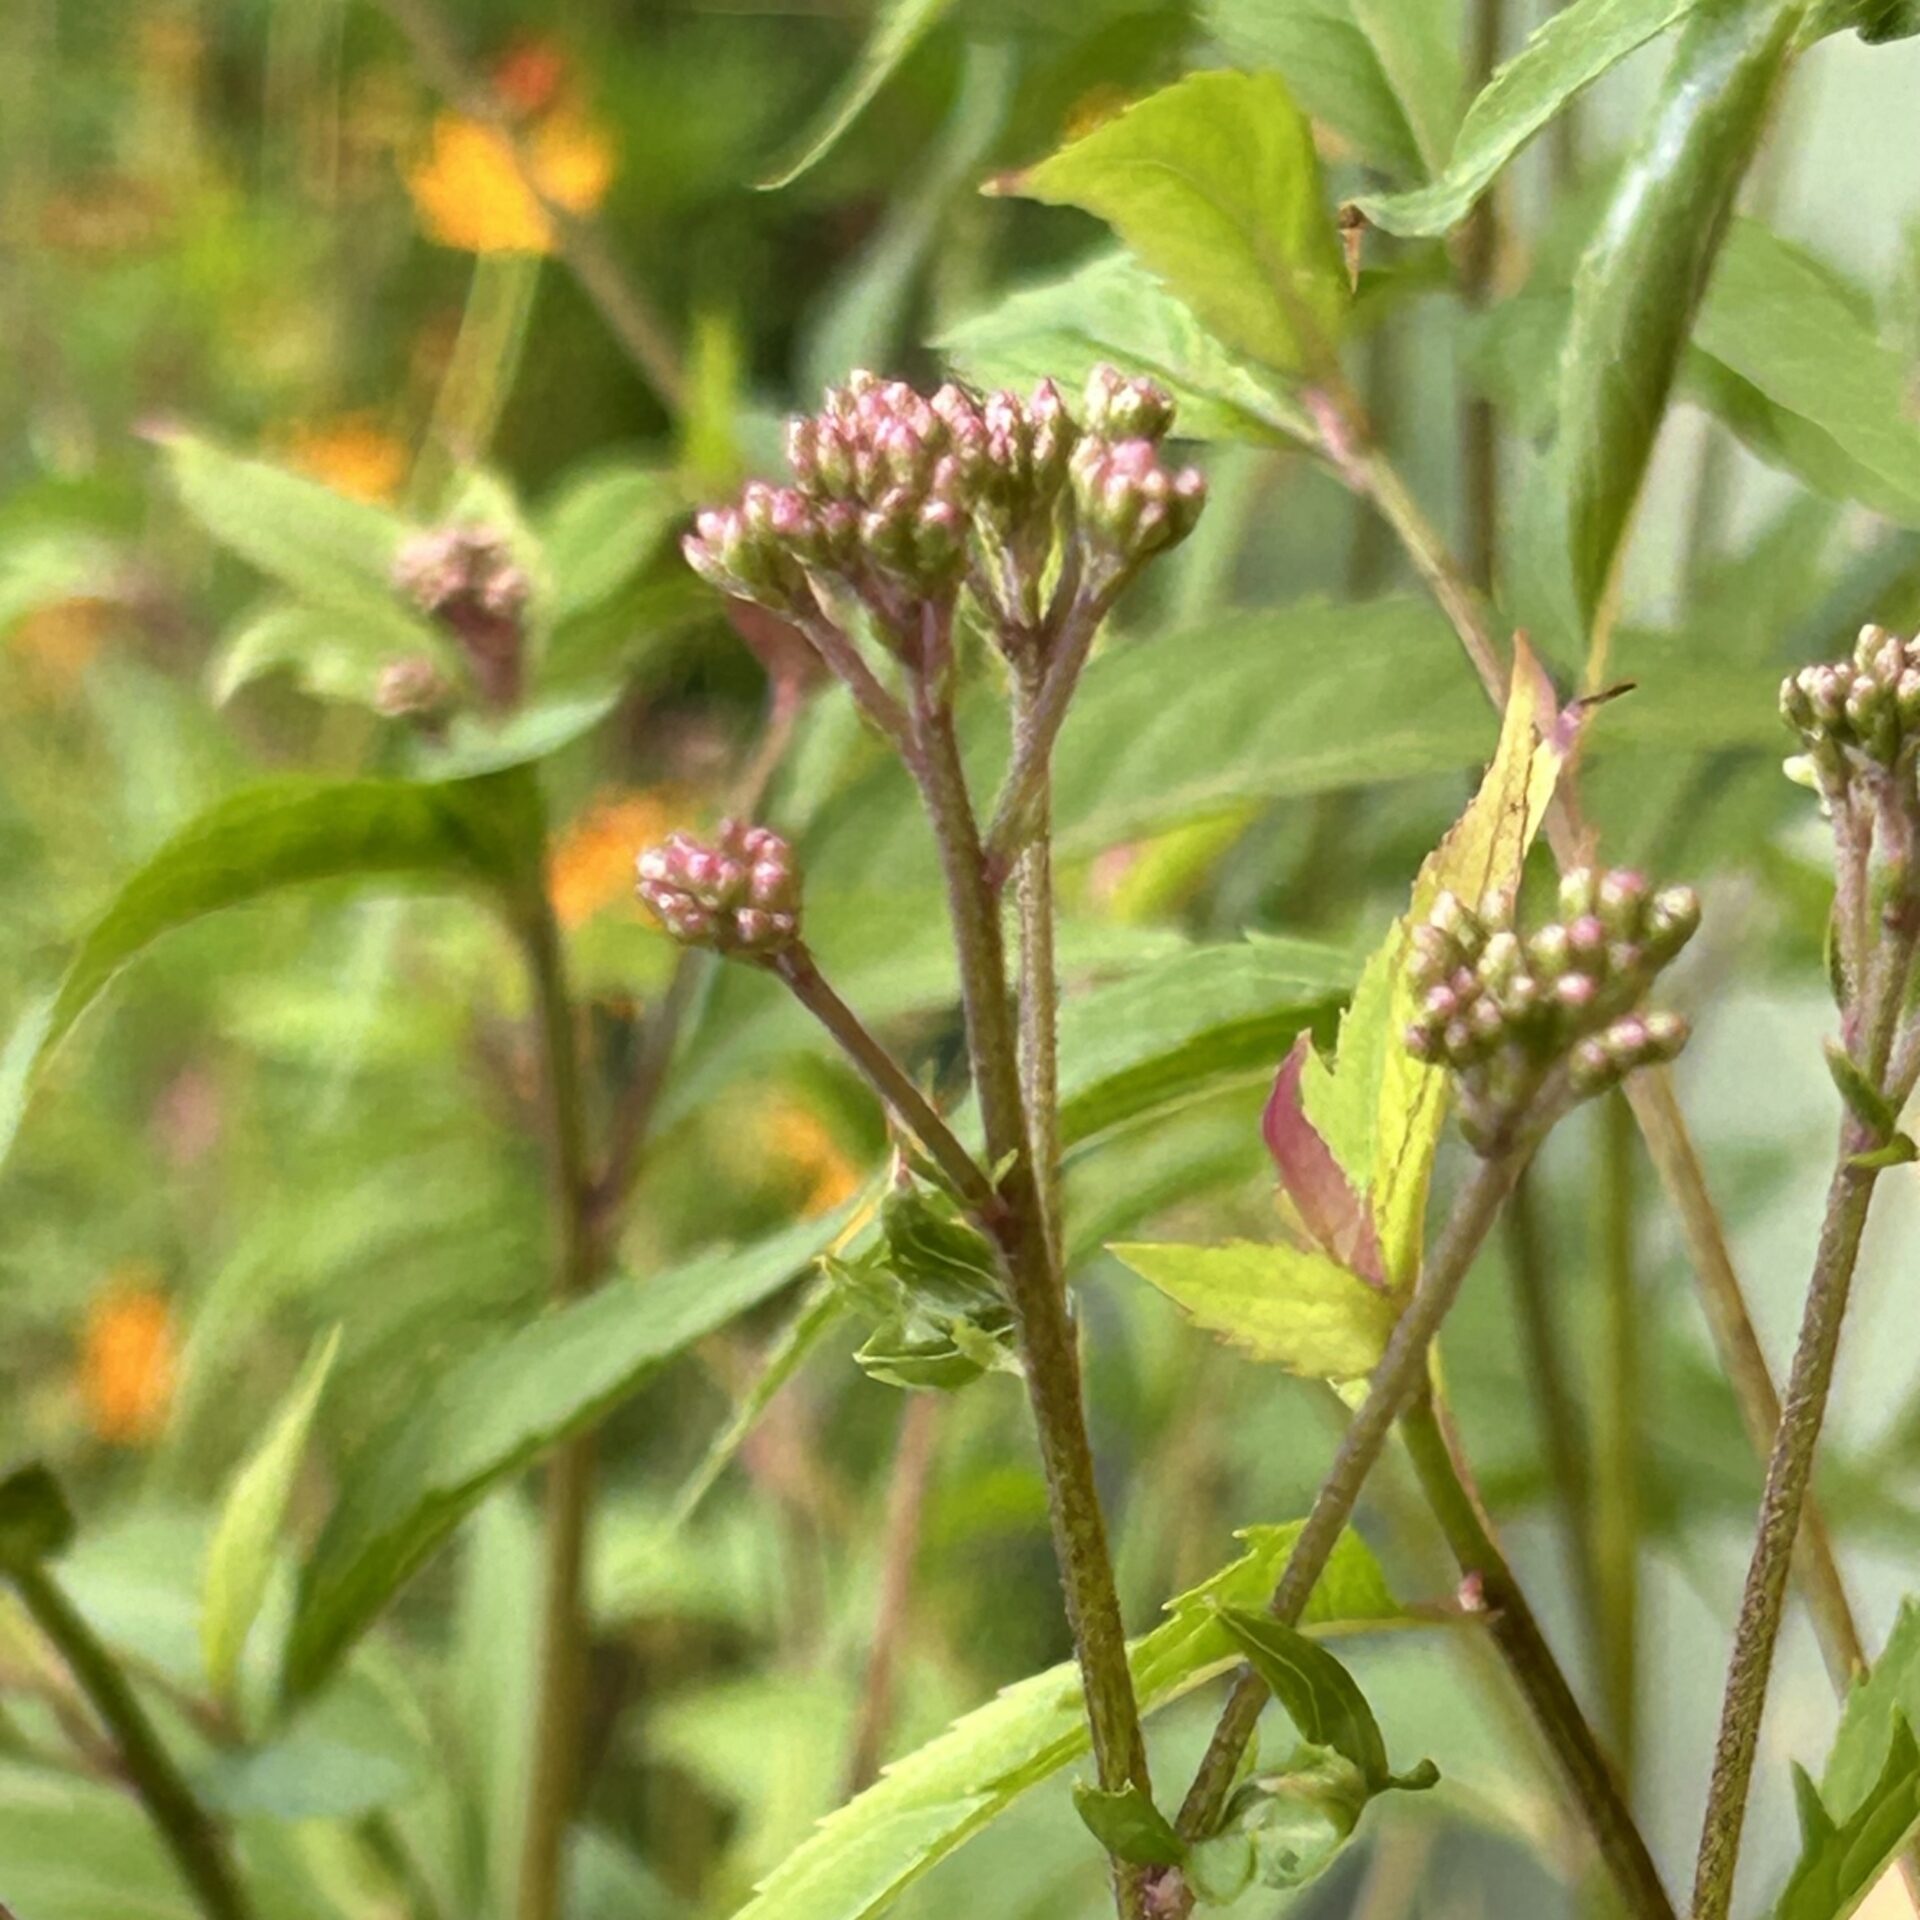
1529, 1025
912, 524
1859, 721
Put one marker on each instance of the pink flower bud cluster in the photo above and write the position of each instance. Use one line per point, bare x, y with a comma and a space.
896, 495
738, 894
466, 579
1858, 713
1502, 1008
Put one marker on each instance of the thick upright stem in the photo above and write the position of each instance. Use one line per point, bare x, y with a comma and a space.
183, 1824
1400, 1376
1591, 1784
1616, 1450
553, 1780
1045, 1327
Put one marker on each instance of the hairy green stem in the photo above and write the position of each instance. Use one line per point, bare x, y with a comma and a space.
1051, 1360
184, 1825
1592, 1786
1617, 1447
1039, 987
1399, 1377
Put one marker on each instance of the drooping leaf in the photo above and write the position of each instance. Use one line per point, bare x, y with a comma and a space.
1333, 69
333, 552
1128, 1825
1320, 1696
1181, 1025
1289, 1305
499, 1409
1214, 183
240, 1557
1640, 282
1378, 1108
1776, 318
1575, 46
930, 1803
1113, 310
898, 28
482, 834
1841, 1860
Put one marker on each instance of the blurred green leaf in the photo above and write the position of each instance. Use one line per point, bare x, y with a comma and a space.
1841, 1861
74, 1849
1113, 310
1177, 1027
1568, 53
1128, 1825
493, 1413
1214, 183
331, 656
1293, 1306
935, 1800
483, 834
245, 1542
898, 27
600, 528
40, 568
1333, 69
1641, 279
1417, 43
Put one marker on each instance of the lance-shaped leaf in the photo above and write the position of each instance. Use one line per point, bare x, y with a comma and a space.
1292, 1306
932, 1802
1128, 1825
1640, 282
482, 834
1214, 183
1573, 49
1377, 1107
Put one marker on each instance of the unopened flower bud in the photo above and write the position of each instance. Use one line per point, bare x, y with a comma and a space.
465, 579
1455, 919
739, 894
1118, 408
1620, 900
1673, 917
414, 688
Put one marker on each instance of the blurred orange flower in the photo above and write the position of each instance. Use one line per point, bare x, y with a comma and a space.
592, 862
470, 193
128, 1359
58, 642
801, 1143
352, 453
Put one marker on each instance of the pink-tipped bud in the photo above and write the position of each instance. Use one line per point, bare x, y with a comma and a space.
465, 579
1119, 408
739, 894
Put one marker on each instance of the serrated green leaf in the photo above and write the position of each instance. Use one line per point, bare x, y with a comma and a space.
35, 1521
481, 834
1289, 1305
1214, 183
1842, 1860
898, 28
932, 1802
1320, 1696
1573, 49
241, 1554
1178, 1026
1333, 69
1112, 310
1640, 282
331, 551
1128, 1825
1377, 1107
494, 1412
1887, 1690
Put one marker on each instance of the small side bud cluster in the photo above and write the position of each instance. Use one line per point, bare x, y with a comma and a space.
738, 893
897, 498
1860, 715
415, 688
1504, 1008
465, 578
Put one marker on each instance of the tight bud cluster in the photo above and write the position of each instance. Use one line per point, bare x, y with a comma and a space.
898, 497
1858, 713
466, 579
1504, 1008
738, 894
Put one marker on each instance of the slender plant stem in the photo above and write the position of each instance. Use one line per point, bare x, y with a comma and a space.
1040, 989
1479, 253
560, 1687
900, 1544
1399, 1377
1048, 1349
198, 1849
1616, 1447
622, 303
1591, 1784
1556, 1411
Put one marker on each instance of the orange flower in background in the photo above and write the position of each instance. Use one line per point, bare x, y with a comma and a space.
58, 642
799, 1142
592, 862
129, 1359
469, 191
353, 454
